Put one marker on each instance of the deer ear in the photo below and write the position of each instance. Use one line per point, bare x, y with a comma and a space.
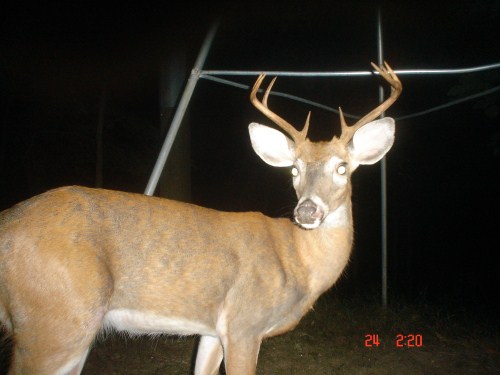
271, 145
372, 141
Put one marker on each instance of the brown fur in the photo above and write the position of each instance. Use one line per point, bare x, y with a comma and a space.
70, 255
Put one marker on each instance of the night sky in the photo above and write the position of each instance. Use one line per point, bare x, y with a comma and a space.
61, 65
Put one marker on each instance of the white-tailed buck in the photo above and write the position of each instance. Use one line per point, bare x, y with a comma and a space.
76, 260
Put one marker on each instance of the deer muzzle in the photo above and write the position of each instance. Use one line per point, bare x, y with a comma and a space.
308, 214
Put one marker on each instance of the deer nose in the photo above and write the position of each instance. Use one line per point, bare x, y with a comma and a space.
308, 212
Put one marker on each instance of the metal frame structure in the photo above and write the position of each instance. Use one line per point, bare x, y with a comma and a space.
197, 72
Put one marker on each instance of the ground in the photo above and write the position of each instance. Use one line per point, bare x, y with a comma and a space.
331, 340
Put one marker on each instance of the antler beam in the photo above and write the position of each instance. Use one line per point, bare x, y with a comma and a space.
396, 88
298, 136
347, 131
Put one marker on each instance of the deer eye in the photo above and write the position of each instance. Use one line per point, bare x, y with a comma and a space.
342, 169
295, 172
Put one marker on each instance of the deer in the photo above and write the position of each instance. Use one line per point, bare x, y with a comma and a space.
75, 261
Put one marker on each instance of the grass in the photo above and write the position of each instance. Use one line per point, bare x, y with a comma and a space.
331, 340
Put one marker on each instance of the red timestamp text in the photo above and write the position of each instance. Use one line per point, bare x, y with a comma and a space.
410, 340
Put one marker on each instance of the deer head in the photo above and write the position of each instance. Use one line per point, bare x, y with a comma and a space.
322, 170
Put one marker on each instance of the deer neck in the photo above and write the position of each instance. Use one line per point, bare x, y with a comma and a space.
325, 251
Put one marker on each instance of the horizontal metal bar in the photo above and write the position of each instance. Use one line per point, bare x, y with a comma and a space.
451, 71
283, 73
348, 74
330, 109
278, 93
449, 104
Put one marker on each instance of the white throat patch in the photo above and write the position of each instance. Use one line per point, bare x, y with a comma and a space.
338, 218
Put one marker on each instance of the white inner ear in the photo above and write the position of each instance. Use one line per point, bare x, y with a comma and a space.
372, 141
271, 145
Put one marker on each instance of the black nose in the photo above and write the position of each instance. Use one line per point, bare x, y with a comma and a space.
308, 212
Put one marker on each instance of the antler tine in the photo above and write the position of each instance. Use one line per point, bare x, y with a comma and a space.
296, 135
268, 90
396, 87
305, 129
343, 125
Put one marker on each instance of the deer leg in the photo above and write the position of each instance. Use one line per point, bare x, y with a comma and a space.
209, 356
62, 362
55, 337
240, 355
76, 370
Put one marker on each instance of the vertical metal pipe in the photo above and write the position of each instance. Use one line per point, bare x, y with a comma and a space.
383, 173
180, 111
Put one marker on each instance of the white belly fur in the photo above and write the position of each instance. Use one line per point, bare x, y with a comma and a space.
138, 322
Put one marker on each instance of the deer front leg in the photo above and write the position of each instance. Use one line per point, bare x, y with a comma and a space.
209, 356
240, 355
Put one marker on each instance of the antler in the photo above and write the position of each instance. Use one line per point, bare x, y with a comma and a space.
396, 87
297, 136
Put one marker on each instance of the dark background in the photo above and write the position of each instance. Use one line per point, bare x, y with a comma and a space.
60, 63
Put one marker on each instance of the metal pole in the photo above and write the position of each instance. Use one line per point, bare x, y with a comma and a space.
180, 111
399, 72
383, 170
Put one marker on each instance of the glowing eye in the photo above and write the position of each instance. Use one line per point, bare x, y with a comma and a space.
295, 172
341, 169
